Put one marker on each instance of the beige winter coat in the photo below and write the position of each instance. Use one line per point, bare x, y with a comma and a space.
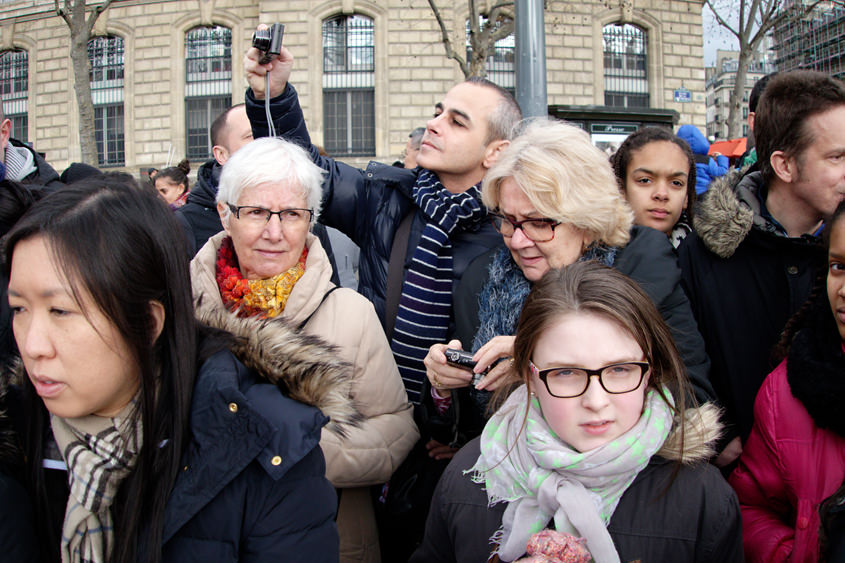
371, 451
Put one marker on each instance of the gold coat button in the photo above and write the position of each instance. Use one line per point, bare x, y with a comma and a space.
233, 407
277, 460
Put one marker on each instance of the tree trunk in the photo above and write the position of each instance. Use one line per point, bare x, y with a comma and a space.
734, 116
82, 88
76, 18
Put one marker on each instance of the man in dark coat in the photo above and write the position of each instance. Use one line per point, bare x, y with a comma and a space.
21, 163
447, 226
755, 252
229, 132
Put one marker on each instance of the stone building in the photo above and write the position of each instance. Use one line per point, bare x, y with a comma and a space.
719, 84
367, 72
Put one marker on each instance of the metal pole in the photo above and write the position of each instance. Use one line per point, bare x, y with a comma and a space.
531, 58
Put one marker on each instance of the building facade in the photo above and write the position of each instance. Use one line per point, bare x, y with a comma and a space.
815, 42
368, 72
719, 84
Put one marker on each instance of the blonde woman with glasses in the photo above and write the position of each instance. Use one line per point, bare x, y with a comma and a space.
555, 200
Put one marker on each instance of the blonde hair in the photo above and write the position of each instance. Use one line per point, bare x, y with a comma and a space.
566, 178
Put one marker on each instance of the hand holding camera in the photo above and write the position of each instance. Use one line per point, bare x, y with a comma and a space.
269, 42
267, 64
464, 360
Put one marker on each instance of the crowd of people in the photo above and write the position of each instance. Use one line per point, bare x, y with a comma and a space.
551, 356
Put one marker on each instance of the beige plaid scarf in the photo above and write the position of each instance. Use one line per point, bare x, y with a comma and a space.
99, 452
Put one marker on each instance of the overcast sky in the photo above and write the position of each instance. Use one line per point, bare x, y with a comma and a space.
714, 36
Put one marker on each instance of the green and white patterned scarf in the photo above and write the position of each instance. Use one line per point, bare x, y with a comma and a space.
541, 477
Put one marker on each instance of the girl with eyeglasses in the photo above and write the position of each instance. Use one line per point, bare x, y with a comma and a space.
554, 198
794, 457
597, 441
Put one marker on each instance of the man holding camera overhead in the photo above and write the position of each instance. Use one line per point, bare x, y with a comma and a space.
417, 229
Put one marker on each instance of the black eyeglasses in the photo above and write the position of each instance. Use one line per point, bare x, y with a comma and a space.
261, 216
568, 382
537, 230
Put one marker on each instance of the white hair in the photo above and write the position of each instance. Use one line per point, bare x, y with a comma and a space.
271, 160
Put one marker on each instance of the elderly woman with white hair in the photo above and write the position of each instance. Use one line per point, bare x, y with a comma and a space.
554, 198
267, 265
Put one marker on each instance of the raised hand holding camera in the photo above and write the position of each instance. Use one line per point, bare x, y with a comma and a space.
267, 63
269, 42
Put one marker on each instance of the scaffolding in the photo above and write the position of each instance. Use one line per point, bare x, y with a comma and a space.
815, 42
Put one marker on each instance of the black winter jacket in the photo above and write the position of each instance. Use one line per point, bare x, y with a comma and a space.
696, 520
17, 521
44, 174
199, 217
367, 205
744, 281
648, 259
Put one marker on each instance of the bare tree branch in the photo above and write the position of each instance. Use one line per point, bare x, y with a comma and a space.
756, 19
719, 18
92, 18
447, 42
62, 13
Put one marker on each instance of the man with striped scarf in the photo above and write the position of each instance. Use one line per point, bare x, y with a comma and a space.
440, 200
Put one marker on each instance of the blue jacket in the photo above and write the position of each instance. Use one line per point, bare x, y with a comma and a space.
253, 487
706, 169
253, 484
366, 205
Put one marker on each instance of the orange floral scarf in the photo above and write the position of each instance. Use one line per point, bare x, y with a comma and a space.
265, 298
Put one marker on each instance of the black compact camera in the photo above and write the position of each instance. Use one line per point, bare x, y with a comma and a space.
269, 41
464, 360
459, 358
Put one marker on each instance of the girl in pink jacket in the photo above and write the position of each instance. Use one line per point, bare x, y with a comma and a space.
795, 456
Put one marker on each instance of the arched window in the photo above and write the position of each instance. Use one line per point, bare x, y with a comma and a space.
349, 86
500, 61
208, 85
106, 57
625, 66
14, 89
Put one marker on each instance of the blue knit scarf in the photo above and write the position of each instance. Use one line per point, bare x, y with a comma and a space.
425, 307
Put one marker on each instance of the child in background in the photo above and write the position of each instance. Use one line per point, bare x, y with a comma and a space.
656, 173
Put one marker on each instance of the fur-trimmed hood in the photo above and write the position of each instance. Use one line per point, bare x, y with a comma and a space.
303, 366
701, 430
729, 210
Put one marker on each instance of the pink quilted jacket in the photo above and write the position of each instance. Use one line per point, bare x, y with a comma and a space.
787, 468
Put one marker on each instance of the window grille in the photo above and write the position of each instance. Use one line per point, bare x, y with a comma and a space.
14, 90
500, 61
208, 85
108, 128
349, 86
106, 57
200, 113
625, 66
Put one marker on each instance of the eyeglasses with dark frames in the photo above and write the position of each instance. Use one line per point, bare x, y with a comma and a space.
569, 382
260, 215
537, 230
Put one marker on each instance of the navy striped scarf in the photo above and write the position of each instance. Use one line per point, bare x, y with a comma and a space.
426, 302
